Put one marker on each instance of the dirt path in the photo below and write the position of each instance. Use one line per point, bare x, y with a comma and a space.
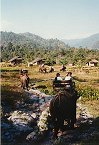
83, 129
19, 122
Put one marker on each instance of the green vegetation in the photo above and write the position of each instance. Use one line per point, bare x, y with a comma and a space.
63, 56
29, 46
88, 93
87, 86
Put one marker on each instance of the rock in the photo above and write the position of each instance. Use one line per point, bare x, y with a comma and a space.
33, 115
21, 120
43, 120
32, 136
9, 133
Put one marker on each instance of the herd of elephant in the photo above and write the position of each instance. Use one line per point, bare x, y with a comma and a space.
43, 69
62, 106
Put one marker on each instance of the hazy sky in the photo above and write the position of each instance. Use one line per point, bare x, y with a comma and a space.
63, 19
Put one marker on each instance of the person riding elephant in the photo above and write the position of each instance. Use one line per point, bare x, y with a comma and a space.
69, 80
58, 77
51, 69
63, 105
42, 68
63, 68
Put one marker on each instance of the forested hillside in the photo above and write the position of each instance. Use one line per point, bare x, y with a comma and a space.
30, 46
30, 40
91, 42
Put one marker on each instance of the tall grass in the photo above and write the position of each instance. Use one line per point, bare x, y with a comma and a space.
87, 92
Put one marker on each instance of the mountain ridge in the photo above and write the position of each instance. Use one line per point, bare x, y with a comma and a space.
89, 42
27, 38
30, 39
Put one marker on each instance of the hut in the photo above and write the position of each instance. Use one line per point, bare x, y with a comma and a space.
70, 64
15, 60
37, 61
93, 62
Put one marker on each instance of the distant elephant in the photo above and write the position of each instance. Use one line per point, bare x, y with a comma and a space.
51, 69
63, 107
24, 81
63, 68
42, 69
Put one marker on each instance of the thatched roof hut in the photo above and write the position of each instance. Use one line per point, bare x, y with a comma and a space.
16, 60
93, 62
38, 61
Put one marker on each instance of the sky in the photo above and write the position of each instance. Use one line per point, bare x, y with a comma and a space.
62, 19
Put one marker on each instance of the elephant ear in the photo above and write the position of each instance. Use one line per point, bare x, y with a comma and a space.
52, 108
76, 95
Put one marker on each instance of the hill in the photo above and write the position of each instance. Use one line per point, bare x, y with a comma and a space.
91, 42
29, 39
30, 46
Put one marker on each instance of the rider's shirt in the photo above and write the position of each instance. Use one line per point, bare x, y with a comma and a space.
59, 79
68, 78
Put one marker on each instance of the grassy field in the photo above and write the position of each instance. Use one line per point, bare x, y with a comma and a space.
86, 80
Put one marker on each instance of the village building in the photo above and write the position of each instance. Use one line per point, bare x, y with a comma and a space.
93, 62
37, 61
15, 60
70, 64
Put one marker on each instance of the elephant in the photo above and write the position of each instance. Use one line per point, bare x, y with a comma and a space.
51, 70
63, 108
42, 69
24, 81
63, 68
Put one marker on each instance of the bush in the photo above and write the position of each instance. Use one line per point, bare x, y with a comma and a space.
88, 93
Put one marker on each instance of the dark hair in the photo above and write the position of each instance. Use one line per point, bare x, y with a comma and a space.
69, 73
58, 74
